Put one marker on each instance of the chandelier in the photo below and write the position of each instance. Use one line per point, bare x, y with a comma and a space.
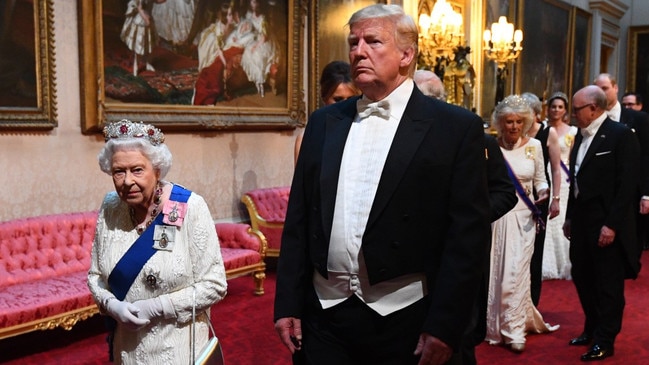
439, 33
502, 44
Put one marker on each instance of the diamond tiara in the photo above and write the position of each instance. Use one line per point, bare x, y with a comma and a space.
515, 102
127, 129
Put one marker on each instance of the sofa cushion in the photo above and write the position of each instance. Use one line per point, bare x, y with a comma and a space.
237, 235
235, 258
271, 203
44, 298
35, 248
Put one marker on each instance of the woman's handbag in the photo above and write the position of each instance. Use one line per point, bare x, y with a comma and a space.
211, 353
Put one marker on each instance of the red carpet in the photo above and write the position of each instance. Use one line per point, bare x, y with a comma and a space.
243, 323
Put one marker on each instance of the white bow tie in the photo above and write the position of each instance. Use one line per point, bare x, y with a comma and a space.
585, 132
366, 108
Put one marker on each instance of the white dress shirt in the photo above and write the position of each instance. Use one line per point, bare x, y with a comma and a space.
615, 112
587, 134
366, 151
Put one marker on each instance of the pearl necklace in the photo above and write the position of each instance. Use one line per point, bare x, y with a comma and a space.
157, 199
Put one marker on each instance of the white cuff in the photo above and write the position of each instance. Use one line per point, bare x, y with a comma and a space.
168, 310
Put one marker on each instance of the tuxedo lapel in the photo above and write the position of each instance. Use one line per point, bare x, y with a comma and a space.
410, 134
574, 151
337, 128
598, 139
626, 119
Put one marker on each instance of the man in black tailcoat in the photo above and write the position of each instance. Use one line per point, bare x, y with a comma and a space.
600, 219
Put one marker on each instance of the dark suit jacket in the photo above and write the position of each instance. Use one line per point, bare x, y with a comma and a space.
607, 179
430, 213
502, 194
639, 124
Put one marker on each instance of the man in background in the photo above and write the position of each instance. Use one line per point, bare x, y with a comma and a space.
632, 101
430, 84
638, 122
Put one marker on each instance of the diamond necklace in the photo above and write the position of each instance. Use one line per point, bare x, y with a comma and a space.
157, 199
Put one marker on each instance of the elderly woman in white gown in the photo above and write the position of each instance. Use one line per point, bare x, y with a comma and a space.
155, 249
510, 311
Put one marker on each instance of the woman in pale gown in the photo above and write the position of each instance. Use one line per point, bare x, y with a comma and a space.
174, 20
556, 260
510, 311
259, 57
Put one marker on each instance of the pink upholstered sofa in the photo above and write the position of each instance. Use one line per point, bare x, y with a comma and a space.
267, 210
44, 264
243, 250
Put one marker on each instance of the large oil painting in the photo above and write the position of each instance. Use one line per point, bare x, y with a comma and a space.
543, 63
27, 77
193, 64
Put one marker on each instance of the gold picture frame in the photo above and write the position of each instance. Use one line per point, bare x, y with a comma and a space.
281, 108
28, 94
328, 38
638, 61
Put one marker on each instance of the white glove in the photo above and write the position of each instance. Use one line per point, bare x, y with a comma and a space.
126, 313
149, 308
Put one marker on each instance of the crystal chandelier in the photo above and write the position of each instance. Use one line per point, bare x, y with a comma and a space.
439, 33
502, 44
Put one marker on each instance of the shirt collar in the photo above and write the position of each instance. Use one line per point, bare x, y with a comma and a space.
594, 126
615, 112
398, 98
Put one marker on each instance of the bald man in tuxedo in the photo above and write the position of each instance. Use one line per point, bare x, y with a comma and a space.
600, 219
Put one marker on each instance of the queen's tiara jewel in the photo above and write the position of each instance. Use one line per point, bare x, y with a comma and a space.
514, 102
127, 129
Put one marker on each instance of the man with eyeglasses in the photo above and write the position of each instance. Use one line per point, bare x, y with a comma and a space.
639, 124
632, 101
600, 220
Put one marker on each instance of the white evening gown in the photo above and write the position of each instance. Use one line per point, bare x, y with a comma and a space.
193, 259
556, 258
510, 312
173, 19
258, 57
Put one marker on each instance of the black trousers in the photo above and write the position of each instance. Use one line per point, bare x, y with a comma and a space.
351, 333
536, 264
598, 274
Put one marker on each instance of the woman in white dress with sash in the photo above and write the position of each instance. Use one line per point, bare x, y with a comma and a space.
510, 311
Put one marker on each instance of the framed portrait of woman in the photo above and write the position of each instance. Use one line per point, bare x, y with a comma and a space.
27, 73
192, 64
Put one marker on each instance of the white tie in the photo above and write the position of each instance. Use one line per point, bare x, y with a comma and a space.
366, 108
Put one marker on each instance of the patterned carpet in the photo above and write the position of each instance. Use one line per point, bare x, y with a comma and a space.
243, 323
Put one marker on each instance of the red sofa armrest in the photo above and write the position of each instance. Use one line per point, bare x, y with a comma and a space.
267, 210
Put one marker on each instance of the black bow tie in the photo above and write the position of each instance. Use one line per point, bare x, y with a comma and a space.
366, 108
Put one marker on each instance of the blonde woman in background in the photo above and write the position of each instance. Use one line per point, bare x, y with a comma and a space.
510, 311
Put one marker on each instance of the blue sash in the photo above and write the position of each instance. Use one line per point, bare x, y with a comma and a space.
130, 265
536, 212
566, 170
